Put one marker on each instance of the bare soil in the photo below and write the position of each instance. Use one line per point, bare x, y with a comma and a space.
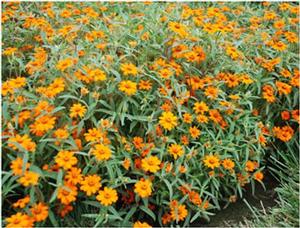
236, 212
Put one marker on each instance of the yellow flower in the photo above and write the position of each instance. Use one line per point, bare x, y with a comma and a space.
91, 184
101, 152
92, 135
77, 110
178, 28
97, 75
107, 196
143, 188
129, 69
151, 164
9, 51
139, 224
29, 178
168, 120
175, 150
128, 87
200, 107
65, 159
64, 64
211, 161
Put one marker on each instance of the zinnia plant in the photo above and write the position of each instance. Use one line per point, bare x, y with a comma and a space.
141, 113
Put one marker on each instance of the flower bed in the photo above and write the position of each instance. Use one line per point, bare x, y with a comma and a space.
121, 114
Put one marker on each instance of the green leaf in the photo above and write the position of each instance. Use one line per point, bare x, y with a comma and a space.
53, 219
169, 188
148, 211
59, 179
129, 215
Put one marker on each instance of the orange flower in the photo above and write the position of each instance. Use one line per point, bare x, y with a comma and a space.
42, 125
285, 133
65, 210
268, 93
62, 65
101, 152
184, 139
77, 110
17, 166
285, 73
19, 220
211, 92
65, 159
279, 46
178, 212
285, 115
23, 141
187, 118
29, 178
73, 176
139, 224
67, 193
201, 119
61, 133
178, 28
97, 75
194, 197
138, 142
295, 115
91, 184
200, 107
93, 135
39, 212
283, 88
258, 176
215, 116
228, 164
42, 106
145, 85
250, 166
262, 140
107, 196
175, 150
165, 73
21, 203
195, 132
126, 163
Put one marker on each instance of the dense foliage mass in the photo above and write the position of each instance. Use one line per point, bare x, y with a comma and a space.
141, 114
